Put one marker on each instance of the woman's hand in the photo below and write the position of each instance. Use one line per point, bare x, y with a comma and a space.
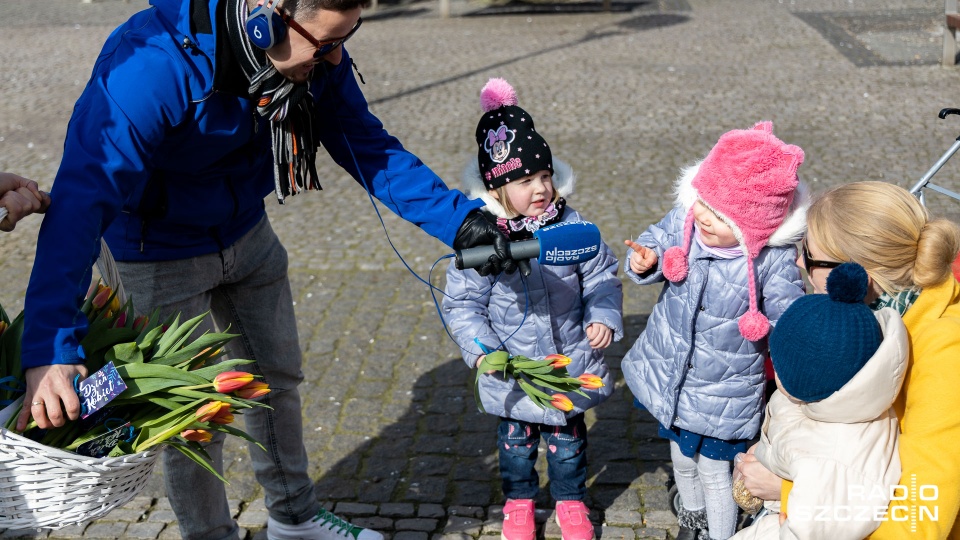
50, 394
757, 478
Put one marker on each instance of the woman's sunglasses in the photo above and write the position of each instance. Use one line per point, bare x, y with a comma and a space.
809, 262
323, 47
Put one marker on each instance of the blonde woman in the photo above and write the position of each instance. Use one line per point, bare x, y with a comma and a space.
908, 258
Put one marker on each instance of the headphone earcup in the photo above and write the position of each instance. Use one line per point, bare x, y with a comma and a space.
265, 28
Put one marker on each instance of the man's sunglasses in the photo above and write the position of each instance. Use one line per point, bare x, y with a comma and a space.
809, 262
323, 47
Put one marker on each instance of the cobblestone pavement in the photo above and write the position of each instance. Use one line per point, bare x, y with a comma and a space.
626, 96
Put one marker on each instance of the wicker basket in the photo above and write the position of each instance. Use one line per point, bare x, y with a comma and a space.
44, 487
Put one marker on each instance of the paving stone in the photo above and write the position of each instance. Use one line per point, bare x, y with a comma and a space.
416, 524
656, 499
627, 499
428, 489
105, 530
466, 511
626, 518
464, 525
431, 511
376, 523
162, 516
253, 515
617, 533
398, 510
356, 509
659, 519
645, 532
147, 531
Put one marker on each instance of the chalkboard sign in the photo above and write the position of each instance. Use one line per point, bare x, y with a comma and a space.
99, 389
103, 444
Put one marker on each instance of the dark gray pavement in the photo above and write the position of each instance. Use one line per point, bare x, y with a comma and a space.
627, 97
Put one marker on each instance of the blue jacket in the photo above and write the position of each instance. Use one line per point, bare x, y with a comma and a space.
691, 367
166, 158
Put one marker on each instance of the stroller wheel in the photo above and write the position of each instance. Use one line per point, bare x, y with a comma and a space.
673, 495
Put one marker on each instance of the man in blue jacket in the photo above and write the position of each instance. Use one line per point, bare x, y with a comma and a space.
193, 115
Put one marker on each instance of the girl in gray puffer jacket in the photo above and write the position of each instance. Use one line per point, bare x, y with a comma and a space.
571, 310
727, 252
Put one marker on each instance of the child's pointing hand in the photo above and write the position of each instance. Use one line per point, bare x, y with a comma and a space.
642, 258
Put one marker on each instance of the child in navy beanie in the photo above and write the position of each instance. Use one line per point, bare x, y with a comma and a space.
830, 426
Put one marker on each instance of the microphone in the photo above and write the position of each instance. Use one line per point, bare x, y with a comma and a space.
560, 244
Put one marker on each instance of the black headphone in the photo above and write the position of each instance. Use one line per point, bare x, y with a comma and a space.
265, 26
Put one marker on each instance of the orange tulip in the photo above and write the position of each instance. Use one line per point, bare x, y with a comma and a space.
103, 294
197, 435
562, 402
253, 390
224, 416
558, 360
210, 410
590, 381
229, 381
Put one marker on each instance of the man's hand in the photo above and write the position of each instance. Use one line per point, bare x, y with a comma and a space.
47, 388
20, 197
642, 258
600, 335
477, 231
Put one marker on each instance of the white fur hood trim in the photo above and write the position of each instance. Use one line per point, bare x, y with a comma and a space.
563, 182
792, 229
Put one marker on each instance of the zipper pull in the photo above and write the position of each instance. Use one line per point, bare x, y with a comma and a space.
355, 68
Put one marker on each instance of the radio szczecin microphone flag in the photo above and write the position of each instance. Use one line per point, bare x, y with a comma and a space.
561, 244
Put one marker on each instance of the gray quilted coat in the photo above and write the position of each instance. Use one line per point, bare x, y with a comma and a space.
563, 300
691, 368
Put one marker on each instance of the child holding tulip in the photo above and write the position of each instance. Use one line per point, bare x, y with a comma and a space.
573, 310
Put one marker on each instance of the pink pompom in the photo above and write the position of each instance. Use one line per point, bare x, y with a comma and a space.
753, 325
675, 264
497, 93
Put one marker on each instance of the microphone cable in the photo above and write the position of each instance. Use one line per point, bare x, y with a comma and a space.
428, 282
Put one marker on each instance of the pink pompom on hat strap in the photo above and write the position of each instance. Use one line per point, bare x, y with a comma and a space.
675, 263
753, 325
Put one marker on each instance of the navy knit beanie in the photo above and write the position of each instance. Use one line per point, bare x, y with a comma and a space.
822, 340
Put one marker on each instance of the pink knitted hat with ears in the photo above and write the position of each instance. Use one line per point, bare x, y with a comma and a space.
748, 180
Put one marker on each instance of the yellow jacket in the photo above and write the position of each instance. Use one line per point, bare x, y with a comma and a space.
928, 409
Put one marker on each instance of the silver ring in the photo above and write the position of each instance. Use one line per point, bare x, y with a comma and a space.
35, 403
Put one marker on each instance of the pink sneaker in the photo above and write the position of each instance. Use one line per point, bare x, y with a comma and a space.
573, 517
518, 521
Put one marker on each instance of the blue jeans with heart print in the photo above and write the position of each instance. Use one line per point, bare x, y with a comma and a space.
518, 443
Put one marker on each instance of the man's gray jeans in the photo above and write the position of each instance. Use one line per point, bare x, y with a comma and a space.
246, 288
